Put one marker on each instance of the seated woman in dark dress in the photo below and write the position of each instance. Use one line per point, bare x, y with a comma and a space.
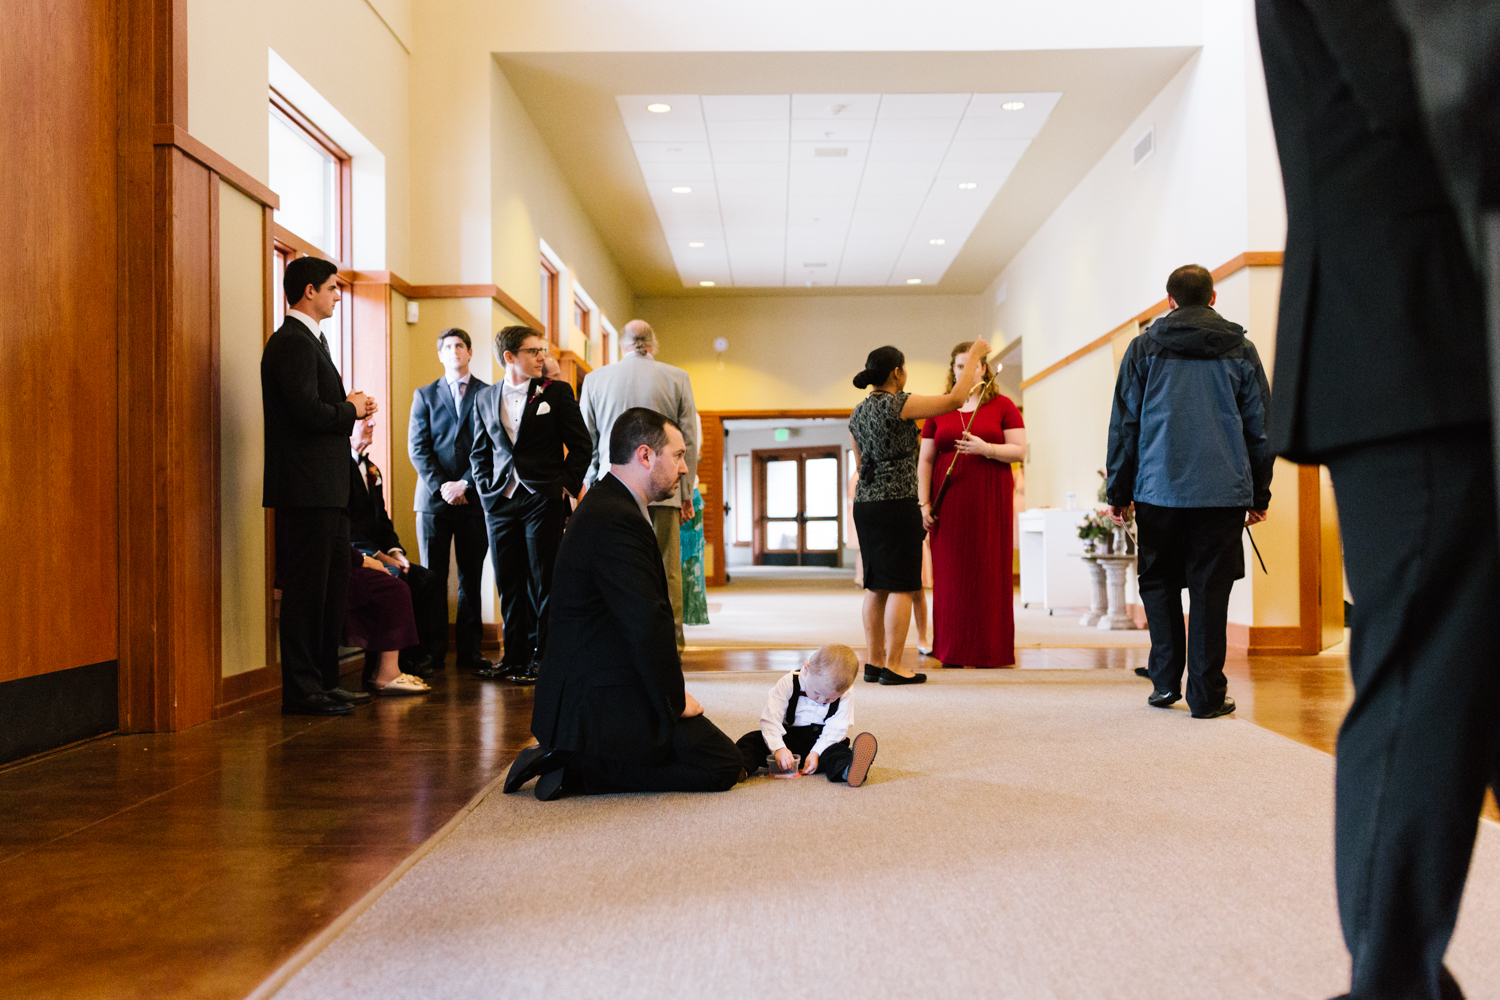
379, 619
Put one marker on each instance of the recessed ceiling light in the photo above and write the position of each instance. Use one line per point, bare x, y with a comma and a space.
660, 109
967, 185
1007, 106
706, 284
682, 190
937, 243
695, 245
913, 281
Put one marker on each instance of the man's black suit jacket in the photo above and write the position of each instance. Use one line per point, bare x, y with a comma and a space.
1381, 326
439, 438
611, 682
538, 455
308, 422
369, 522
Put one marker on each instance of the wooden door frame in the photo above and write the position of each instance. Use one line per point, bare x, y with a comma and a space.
712, 486
799, 453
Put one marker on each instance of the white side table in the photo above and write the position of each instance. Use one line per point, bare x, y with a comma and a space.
1052, 574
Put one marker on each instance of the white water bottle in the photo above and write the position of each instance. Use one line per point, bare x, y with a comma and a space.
1072, 500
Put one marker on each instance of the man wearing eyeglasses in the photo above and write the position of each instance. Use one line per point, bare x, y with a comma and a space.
531, 450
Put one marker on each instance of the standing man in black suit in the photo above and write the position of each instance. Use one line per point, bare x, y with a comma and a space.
531, 450
1381, 374
372, 533
308, 422
611, 712
438, 441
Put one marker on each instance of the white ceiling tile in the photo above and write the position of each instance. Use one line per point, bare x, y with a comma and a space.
762, 107
915, 129
977, 170
840, 106
886, 151
988, 149
923, 105
824, 152
926, 169
771, 170
997, 128
872, 186
1037, 105
672, 152
756, 217
738, 189
653, 130
699, 192
749, 152
826, 170
825, 129
750, 130
685, 107
821, 218
678, 171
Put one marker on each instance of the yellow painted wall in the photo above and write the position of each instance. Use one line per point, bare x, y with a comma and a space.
803, 351
242, 524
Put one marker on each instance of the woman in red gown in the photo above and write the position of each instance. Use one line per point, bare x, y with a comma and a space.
973, 612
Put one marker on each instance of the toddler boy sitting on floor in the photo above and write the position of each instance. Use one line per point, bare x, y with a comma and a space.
807, 713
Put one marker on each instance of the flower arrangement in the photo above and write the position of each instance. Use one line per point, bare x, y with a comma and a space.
1097, 527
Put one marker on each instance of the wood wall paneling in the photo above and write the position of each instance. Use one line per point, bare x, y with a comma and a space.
372, 367
711, 486
58, 447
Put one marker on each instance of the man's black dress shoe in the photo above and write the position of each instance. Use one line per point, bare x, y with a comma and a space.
889, 676
493, 672
532, 762
528, 676
318, 704
1225, 709
872, 673
550, 785
1142, 671
476, 663
425, 667
1162, 699
348, 697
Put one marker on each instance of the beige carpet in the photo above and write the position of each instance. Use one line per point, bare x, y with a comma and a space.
1044, 835
773, 614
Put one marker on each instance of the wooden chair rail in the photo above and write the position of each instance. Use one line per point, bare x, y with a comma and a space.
177, 136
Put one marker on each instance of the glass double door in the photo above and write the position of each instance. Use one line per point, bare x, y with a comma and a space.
797, 516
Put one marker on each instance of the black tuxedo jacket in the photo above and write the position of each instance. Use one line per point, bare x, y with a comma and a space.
308, 422
611, 684
552, 450
1381, 325
439, 439
369, 521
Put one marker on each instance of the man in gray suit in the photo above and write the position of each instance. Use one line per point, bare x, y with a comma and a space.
638, 379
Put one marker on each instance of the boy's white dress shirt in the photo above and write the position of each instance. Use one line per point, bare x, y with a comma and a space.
809, 713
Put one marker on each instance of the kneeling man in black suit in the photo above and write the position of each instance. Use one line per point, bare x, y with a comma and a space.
611, 712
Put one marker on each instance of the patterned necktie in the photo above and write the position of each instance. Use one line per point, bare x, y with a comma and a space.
458, 394
324, 341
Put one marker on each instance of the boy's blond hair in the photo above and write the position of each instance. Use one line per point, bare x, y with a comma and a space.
835, 663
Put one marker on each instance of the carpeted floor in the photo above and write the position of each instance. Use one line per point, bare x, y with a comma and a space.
1037, 835
812, 611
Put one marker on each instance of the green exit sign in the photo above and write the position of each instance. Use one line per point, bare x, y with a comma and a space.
783, 433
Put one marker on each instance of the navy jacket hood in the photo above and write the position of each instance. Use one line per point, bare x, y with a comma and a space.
1197, 332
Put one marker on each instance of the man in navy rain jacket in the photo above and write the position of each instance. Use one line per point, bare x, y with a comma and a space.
1188, 447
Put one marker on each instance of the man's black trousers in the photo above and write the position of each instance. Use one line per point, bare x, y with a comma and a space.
833, 762
702, 759
465, 535
312, 570
1198, 548
1422, 738
525, 531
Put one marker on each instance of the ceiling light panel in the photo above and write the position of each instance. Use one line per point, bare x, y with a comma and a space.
815, 189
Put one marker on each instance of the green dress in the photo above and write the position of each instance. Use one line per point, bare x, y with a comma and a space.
694, 590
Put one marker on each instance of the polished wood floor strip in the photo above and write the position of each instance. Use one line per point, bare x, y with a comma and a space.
196, 864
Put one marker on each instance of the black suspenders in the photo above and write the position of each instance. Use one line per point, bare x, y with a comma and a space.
791, 705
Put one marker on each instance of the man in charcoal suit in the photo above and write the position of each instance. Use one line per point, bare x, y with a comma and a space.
611, 712
638, 379
439, 439
371, 532
1381, 374
308, 422
529, 455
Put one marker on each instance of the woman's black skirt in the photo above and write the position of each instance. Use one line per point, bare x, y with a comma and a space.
890, 543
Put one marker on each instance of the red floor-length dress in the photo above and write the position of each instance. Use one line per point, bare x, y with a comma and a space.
973, 615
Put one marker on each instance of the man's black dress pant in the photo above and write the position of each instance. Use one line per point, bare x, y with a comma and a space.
1198, 548
525, 531
312, 570
702, 759
465, 535
1422, 738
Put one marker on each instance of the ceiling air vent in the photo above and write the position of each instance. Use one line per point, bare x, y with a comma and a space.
821, 264
1144, 147
830, 151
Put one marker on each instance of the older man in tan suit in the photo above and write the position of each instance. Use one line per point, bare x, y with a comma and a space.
638, 379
